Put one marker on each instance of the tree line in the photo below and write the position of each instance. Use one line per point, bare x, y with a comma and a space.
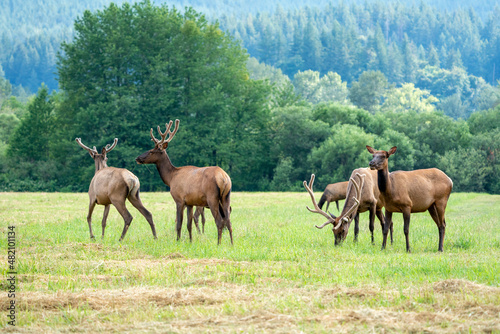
408, 41
454, 54
130, 68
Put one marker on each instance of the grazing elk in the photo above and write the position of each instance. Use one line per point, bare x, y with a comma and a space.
362, 195
333, 193
411, 191
191, 186
112, 185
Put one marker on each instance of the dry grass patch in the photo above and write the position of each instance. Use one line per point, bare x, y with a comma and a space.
260, 309
127, 299
464, 286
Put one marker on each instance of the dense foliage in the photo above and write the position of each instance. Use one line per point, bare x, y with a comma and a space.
453, 52
132, 67
455, 55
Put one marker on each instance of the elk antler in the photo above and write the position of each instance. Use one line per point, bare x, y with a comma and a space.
92, 152
163, 135
357, 188
316, 207
110, 148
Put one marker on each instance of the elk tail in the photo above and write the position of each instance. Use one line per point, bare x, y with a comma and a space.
224, 185
133, 187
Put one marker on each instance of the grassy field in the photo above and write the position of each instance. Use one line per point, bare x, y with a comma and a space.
281, 276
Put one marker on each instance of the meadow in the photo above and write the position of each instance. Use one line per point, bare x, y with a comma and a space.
281, 276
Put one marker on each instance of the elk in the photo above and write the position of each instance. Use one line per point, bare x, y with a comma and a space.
191, 186
411, 191
333, 193
112, 185
362, 195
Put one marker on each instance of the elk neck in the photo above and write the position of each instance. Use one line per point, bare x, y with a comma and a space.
99, 164
383, 180
166, 169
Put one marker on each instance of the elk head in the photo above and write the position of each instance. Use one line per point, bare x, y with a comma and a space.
340, 224
154, 155
379, 161
100, 159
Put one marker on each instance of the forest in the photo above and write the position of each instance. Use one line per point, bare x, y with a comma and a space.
269, 96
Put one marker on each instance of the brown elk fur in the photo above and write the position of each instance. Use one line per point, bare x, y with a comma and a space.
112, 185
334, 192
191, 186
411, 191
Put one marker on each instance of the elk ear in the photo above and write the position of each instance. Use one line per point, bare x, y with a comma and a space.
164, 145
370, 149
392, 150
103, 151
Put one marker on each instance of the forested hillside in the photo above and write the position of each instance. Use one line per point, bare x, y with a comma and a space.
322, 83
454, 55
347, 37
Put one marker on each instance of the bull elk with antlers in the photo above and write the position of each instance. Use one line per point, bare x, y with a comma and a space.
362, 195
411, 191
191, 186
112, 185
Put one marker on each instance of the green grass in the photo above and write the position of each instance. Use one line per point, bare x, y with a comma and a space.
281, 275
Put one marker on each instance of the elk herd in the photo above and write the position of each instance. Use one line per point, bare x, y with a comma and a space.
368, 189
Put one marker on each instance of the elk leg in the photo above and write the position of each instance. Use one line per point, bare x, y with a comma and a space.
391, 231
180, 214
385, 230
202, 213
356, 226
441, 224
327, 205
137, 203
442, 230
195, 218
228, 224
372, 223
190, 221
104, 218
214, 208
406, 219
226, 212
127, 217
380, 217
89, 217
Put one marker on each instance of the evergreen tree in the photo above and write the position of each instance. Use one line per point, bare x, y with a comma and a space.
410, 60
312, 47
433, 57
32, 139
381, 51
396, 61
